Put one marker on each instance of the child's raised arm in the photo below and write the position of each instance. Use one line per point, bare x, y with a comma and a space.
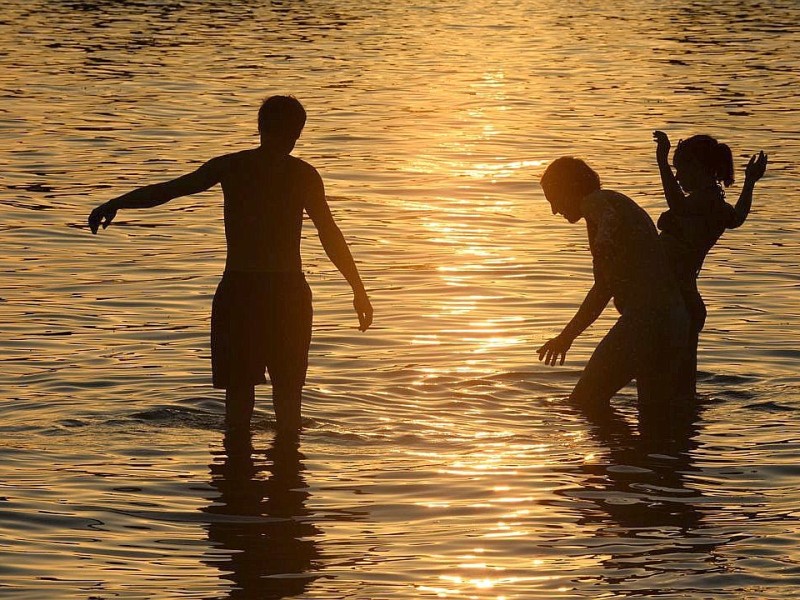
676, 199
755, 170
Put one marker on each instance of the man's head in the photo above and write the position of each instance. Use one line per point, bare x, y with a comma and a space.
565, 182
281, 120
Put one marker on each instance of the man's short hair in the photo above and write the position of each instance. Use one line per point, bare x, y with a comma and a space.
571, 173
283, 116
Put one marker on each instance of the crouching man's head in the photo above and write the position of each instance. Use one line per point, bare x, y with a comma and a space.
565, 182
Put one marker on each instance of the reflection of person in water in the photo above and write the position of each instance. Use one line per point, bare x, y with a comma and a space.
262, 524
261, 316
698, 215
641, 499
629, 265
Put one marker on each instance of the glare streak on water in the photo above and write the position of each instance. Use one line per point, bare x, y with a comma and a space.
438, 459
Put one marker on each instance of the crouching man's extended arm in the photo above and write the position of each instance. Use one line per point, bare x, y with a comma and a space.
591, 308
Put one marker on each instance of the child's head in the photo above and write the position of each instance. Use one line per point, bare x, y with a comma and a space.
701, 161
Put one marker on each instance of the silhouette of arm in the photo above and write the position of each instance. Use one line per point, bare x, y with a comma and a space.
336, 247
591, 308
154, 195
754, 171
676, 199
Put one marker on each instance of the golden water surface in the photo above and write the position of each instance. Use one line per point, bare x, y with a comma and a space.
439, 459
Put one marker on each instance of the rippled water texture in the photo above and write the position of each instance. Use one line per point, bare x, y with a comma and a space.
439, 459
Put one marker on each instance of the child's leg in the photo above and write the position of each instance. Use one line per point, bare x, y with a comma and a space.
665, 379
239, 403
685, 383
692, 363
697, 317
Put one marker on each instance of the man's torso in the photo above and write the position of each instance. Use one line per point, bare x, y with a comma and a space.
263, 211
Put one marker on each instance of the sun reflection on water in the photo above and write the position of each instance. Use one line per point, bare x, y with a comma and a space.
437, 431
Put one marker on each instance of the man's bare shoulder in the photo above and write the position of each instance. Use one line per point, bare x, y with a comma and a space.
605, 203
303, 171
232, 158
598, 205
223, 163
301, 166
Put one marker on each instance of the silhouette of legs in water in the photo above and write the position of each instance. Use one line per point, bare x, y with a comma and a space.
240, 401
648, 351
286, 400
261, 323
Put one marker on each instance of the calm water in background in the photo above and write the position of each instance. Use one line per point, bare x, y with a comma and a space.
438, 460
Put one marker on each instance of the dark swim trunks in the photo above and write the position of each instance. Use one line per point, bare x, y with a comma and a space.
260, 321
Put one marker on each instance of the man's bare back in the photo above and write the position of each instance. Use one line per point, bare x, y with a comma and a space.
265, 196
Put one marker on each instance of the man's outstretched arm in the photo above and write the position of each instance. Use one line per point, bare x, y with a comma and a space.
335, 246
591, 308
154, 195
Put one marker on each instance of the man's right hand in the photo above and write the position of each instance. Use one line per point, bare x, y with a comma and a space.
102, 215
554, 348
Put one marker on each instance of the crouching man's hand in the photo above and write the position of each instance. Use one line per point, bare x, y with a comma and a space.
554, 348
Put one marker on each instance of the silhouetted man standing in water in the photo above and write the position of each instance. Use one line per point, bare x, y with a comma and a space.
261, 315
650, 338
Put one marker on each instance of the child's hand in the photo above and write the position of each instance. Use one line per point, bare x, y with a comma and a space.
662, 144
756, 167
